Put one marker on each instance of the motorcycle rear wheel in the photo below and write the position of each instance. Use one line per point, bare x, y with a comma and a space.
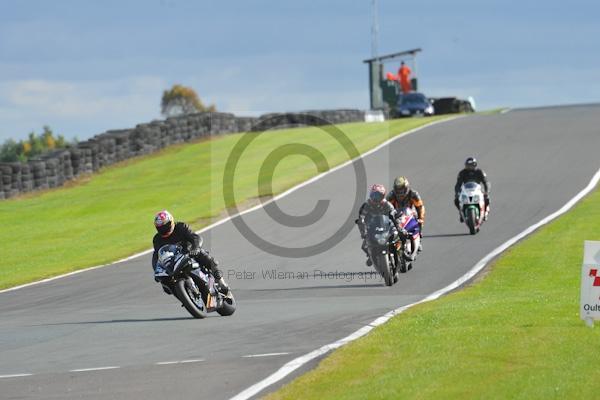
228, 307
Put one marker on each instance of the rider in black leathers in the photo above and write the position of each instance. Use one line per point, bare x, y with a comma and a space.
472, 174
171, 232
375, 205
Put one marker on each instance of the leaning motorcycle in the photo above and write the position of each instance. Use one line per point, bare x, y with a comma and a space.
410, 238
472, 205
191, 283
382, 241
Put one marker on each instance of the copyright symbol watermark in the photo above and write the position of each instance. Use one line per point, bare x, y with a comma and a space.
265, 184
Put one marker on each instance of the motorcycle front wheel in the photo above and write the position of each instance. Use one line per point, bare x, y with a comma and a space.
383, 265
191, 300
472, 220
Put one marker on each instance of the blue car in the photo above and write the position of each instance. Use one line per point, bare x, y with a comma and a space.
413, 103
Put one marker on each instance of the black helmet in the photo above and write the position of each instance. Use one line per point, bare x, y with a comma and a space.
471, 163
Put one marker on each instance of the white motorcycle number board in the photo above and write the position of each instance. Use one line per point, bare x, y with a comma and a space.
590, 283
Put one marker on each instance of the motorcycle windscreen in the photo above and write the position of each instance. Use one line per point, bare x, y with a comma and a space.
471, 186
379, 222
167, 256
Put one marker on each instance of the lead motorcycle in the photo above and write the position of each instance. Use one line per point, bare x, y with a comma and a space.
382, 244
472, 205
191, 283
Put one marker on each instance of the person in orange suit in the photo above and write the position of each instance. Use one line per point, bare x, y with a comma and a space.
404, 77
391, 77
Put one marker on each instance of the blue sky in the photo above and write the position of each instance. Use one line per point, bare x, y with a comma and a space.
84, 67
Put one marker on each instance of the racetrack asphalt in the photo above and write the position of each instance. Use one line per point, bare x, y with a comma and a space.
536, 160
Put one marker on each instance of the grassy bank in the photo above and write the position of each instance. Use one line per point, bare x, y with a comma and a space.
108, 215
516, 334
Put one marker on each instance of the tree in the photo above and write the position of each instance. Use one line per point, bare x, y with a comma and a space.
10, 150
181, 100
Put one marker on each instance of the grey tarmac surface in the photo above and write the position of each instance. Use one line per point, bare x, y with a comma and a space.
536, 159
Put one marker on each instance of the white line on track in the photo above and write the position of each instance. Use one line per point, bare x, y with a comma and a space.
179, 362
296, 363
94, 369
264, 355
506, 110
14, 376
226, 219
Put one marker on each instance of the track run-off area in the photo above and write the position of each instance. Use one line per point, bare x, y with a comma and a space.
112, 333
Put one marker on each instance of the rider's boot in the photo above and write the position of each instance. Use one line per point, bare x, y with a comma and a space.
369, 262
220, 282
487, 212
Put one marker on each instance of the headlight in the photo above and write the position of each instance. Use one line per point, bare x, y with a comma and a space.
464, 198
405, 112
381, 238
429, 110
476, 198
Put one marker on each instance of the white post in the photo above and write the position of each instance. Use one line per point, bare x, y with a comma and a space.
374, 30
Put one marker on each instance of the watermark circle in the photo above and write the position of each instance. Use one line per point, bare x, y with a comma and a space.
265, 180
265, 184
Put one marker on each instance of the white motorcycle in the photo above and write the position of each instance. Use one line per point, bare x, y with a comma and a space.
472, 205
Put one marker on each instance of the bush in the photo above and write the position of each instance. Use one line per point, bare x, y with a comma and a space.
35, 145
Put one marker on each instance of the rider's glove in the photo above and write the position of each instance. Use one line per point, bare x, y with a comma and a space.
403, 232
421, 221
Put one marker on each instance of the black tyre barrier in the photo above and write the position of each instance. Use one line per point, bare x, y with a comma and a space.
54, 168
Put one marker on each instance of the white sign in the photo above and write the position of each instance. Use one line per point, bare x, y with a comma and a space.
374, 116
590, 283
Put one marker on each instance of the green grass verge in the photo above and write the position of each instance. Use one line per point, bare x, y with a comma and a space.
516, 334
108, 215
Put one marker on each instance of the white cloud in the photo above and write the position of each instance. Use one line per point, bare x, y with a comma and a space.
77, 108
83, 99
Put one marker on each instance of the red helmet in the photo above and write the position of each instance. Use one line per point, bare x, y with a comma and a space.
164, 224
377, 194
